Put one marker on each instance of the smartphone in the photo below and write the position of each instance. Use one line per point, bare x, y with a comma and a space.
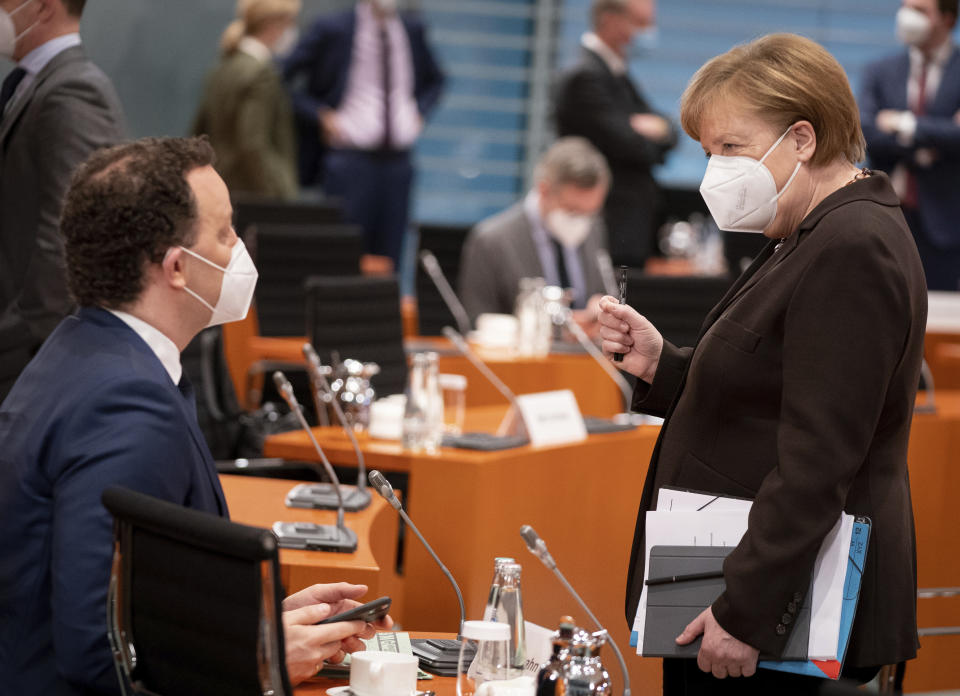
369, 612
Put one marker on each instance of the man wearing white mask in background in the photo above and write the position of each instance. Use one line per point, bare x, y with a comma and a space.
554, 234
57, 107
152, 258
910, 112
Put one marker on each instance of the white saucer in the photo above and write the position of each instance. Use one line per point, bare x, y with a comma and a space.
339, 691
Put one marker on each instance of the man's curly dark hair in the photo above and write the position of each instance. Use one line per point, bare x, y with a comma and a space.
125, 207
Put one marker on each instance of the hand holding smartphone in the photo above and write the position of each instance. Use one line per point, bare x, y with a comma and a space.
369, 612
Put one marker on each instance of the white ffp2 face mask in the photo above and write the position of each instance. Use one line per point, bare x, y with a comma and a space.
236, 290
740, 192
8, 32
568, 228
913, 27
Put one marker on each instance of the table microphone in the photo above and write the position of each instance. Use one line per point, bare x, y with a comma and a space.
449, 297
538, 548
323, 495
563, 316
338, 538
467, 352
383, 487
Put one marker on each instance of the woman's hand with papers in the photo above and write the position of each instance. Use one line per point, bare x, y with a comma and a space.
624, 330
720, 653
309, 645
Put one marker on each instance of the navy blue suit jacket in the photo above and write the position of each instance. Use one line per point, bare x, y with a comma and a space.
94, 408
885, 87
316, 72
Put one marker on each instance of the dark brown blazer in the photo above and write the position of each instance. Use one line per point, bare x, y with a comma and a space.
800, 394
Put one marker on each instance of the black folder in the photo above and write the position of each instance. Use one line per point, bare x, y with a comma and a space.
673, 605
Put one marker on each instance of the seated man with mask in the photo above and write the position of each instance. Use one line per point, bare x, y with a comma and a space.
554, 234
152, 259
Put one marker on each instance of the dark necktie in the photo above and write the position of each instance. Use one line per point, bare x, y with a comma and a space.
561, 264
387, 85
912, 198
10, 83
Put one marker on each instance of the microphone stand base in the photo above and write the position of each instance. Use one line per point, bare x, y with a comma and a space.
315, 537
323, 496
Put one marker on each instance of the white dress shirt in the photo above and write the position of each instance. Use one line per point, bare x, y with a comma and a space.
360, 116
37, 60
166, 350
594, 43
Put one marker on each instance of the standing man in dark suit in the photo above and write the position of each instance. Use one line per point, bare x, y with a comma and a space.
57, 107
910, 110
152, 259
363, 83
598, 100
554, 233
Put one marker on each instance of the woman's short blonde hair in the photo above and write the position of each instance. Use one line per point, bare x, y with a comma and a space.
783, 78
252, 15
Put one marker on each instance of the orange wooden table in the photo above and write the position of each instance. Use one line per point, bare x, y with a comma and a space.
582, 500
260, 502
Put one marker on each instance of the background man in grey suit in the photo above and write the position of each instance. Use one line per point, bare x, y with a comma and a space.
57, 107
555, 234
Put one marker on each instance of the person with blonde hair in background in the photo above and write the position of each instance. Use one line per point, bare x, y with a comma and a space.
246, 111
799, 392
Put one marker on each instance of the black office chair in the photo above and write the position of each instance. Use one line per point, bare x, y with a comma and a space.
285, 256
677, 305
359, 317
251, 211
195, 602
446, 243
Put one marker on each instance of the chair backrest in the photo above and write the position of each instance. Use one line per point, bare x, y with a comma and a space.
195, 602
250, 211
677, 305
359, 317
286, 255
446, 243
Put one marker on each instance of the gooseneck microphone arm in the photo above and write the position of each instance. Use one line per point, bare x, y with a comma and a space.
286, 391
313, 362
538, 548
383, 487
449, 297
565, 316
468, 353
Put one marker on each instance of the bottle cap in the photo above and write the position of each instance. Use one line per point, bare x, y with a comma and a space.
485, 630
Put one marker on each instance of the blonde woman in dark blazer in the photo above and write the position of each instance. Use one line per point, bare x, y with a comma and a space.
800, 390
246, 111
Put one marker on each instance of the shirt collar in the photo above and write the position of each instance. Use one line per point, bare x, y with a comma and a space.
939, 57
255, 48
592, 42
37, 59
165, 349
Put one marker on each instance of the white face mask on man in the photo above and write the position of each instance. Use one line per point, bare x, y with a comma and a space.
8, 32
740, 192
236, 289
570, 229
913, 27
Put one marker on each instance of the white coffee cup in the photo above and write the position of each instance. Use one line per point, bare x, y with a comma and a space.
376, 673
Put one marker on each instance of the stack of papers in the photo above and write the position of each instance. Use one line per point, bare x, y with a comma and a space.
684, 518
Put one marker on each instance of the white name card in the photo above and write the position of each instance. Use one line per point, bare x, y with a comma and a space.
552, 418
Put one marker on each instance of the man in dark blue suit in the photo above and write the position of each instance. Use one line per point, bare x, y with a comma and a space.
363, 82
910, 113
151, 259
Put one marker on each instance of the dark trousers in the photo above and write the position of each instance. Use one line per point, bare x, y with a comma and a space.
630, 218
941, 266
375, 190
684, 678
